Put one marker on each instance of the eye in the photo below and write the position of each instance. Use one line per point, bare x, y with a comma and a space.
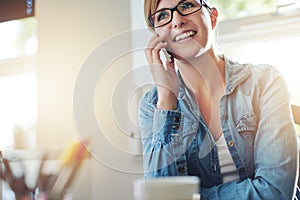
187, 5
162, 15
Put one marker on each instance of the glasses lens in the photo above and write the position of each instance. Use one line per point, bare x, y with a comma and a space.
161, 18
189, 7
164, 16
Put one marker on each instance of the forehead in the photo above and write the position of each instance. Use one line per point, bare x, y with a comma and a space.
167, 4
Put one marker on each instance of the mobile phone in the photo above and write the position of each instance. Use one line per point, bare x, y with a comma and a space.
167, 57
166, 54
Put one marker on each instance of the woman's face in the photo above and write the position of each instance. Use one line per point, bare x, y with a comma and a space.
187, 36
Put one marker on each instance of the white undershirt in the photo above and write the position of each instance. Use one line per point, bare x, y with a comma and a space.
227, 166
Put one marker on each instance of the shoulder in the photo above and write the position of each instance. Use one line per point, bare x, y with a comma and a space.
264, 70
265, 74
259, 72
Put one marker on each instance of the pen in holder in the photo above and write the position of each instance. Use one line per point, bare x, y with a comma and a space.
71, 162
48, 186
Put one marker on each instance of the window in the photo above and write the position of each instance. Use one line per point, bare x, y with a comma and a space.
244, 8
270, 38
18, 38
18, 87
17, 104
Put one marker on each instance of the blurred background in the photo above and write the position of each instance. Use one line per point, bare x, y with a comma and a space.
43, 50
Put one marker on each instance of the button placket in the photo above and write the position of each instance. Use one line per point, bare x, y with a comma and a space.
176, 124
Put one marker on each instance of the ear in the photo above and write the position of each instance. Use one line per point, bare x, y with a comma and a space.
214, 17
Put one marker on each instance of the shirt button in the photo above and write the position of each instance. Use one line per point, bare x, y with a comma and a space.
176, 119
242, 169
182, 170
176, 126
231, 143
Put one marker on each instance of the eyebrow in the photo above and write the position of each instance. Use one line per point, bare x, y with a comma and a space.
169, 7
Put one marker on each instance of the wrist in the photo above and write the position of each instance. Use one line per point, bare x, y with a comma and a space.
168, 102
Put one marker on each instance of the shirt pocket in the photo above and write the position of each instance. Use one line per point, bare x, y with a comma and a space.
246, 126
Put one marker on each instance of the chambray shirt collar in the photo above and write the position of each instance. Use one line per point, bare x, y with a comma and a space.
235, 74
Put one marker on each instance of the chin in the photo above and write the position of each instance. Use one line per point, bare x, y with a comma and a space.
189, 54
190, 51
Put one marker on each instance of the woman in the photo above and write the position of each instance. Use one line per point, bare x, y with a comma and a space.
209, 116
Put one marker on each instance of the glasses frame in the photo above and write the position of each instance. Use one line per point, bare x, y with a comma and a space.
175, 8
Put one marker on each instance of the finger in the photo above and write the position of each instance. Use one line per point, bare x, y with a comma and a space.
154, 40
153, 48
153, 55
156, 52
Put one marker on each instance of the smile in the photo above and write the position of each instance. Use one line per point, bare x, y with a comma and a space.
184, 35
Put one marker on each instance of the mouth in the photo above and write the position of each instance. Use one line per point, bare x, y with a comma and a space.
184, 35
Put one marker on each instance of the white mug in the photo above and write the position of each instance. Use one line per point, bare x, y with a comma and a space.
167, 188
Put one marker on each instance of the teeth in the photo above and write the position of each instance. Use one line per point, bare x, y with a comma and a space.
184, 35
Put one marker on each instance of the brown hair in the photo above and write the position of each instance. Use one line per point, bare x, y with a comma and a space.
149, 8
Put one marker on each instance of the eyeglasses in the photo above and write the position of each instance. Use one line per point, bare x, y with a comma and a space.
184, 7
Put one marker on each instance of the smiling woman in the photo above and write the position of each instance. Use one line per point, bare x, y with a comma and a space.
210, 116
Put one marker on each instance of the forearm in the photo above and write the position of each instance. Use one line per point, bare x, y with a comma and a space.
157, 128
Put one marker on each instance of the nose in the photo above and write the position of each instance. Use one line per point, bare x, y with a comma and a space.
178, 20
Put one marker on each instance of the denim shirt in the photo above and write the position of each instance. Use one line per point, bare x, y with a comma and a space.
257, 124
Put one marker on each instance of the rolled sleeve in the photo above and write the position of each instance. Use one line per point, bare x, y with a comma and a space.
158, 127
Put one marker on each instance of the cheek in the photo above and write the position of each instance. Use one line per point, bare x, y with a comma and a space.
203, 38
164, 33
204, 32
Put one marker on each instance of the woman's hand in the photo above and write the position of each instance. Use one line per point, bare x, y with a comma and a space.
166, 81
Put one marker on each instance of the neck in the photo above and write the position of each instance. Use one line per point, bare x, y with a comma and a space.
204, 74
205, 77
